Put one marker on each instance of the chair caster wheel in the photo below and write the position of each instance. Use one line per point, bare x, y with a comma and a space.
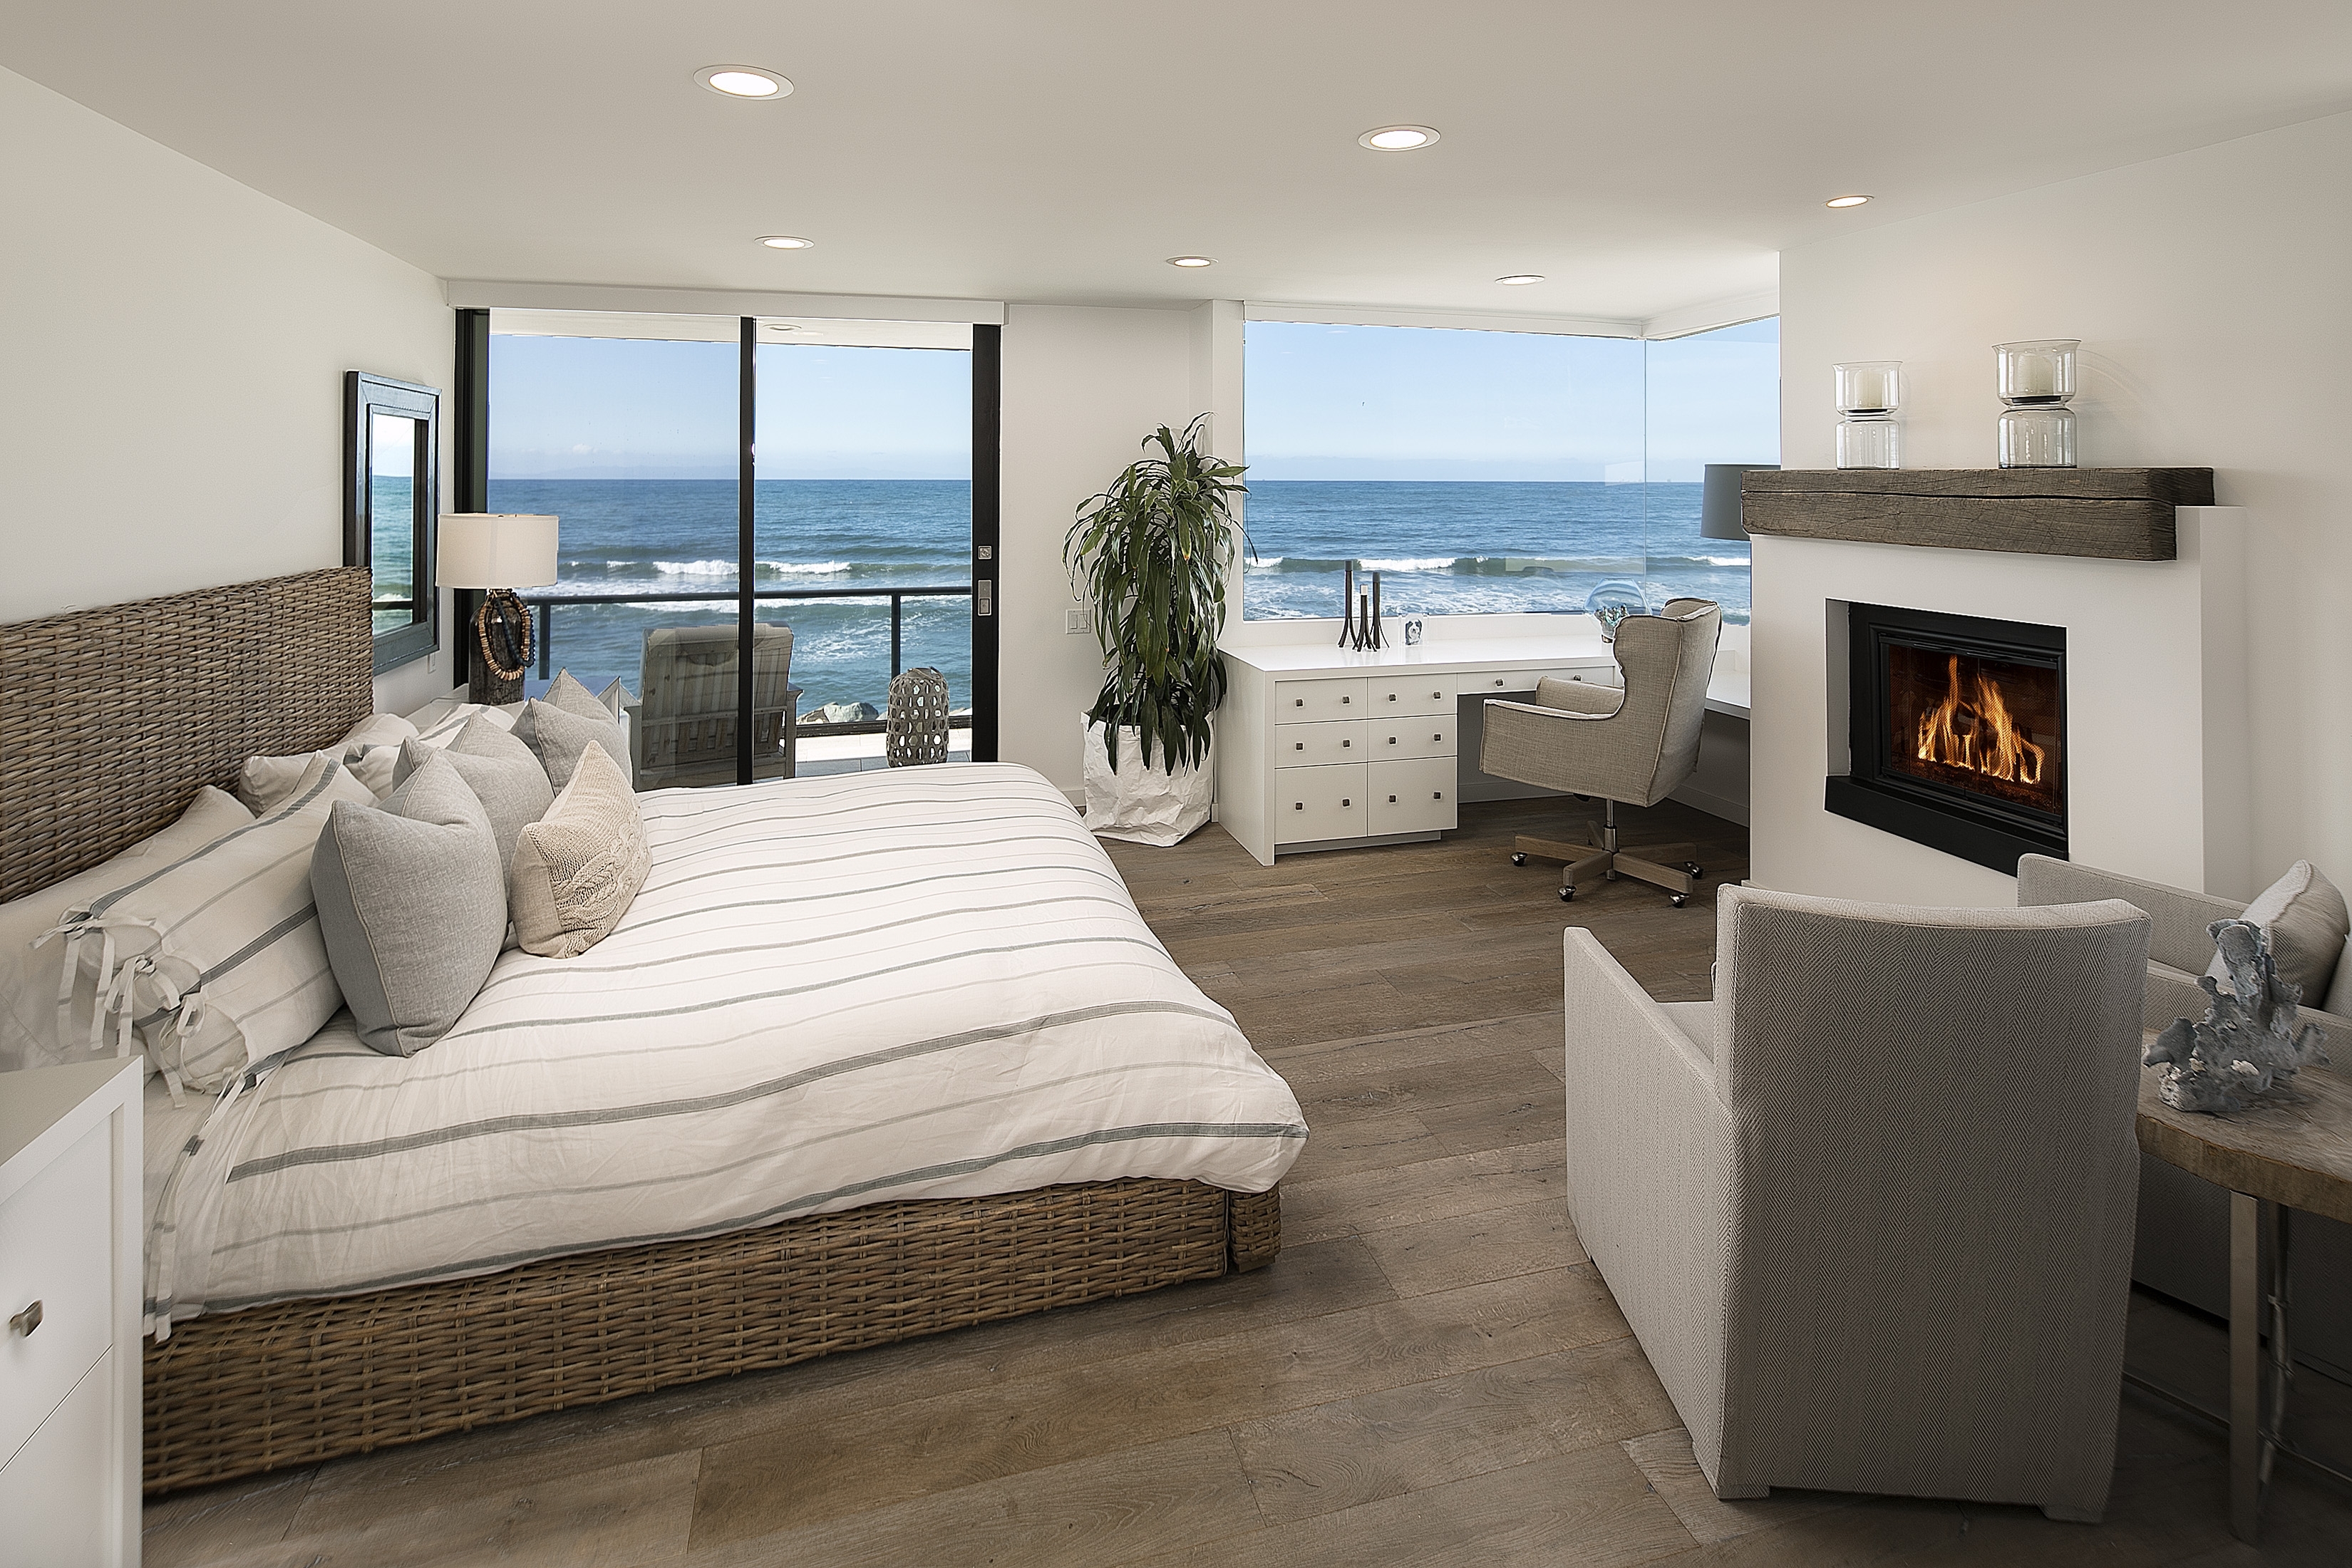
1518, 860
1695, 868
1608, 876
1568, 895
1678, 900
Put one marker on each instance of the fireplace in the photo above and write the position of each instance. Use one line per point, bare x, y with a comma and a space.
1957, 730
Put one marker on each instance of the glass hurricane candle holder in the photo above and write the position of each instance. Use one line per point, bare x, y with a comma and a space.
1869, 386
2037, 377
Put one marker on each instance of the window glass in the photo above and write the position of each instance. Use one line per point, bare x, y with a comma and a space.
1484, 471
1714, 397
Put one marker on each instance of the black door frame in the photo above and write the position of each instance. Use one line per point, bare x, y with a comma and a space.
471, 484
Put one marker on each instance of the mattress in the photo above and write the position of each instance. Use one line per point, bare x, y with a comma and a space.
919, 982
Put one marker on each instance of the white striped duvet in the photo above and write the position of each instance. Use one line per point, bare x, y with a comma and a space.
921, 983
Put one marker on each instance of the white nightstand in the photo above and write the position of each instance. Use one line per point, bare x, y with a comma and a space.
70, 1286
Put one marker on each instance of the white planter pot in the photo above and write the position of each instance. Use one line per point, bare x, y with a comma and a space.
1143, 805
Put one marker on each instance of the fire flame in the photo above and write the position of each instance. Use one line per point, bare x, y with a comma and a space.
1974, 731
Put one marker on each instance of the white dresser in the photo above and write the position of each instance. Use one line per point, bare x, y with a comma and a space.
1319, 748
69, 1287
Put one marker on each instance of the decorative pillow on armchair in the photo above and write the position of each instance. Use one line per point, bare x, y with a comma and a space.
2308, 923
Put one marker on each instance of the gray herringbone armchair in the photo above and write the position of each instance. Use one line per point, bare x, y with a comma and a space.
1633, 743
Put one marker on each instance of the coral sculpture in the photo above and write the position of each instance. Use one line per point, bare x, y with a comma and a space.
2248, 1044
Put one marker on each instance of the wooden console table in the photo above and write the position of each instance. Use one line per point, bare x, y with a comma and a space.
2274, 1157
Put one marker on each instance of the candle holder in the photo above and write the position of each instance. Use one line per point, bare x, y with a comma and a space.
2037, 378
1868, 393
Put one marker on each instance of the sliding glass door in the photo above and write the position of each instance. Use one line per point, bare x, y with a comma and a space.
763, 522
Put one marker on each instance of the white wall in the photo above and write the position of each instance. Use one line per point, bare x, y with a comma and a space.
1083, 386
173, 346
2213, 296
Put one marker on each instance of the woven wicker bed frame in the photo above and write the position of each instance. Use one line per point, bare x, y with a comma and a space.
110, 720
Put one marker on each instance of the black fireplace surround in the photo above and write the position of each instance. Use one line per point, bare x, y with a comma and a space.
1956, 728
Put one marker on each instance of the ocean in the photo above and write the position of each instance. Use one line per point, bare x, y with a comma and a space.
1441, 548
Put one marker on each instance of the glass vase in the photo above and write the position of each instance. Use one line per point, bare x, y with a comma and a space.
2039, 435
1869, 444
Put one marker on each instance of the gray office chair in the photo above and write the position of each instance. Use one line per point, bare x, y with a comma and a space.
1635, 742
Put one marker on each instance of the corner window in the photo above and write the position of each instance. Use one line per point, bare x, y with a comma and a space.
1492, 472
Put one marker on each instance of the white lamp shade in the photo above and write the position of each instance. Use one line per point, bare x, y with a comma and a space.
495, 550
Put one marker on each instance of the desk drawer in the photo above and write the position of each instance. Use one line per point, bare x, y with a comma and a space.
1313, 702
1322, 745
1313, 803
1400, 739
54, 1251
1411, 798
1394, 694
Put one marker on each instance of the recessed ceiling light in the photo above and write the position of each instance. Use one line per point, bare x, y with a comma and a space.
1397, 138
1845, 201
1521, 279
786, 242
1191, 261
743, 82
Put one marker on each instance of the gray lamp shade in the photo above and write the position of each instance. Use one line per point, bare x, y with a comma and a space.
1719, 507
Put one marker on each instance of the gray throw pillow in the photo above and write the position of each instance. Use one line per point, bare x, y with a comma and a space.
500, 770
412, 902
2307, 922
556, 734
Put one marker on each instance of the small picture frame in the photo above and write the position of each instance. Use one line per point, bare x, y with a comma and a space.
1412, 631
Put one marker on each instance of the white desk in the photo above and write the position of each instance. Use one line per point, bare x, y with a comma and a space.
1321, 748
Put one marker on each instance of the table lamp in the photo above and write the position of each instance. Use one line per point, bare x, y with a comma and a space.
499, 551
1718, 504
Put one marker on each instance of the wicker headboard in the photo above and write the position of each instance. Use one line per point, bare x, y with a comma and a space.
112, 719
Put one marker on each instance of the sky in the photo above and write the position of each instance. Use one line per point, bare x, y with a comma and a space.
1322, 403
634, 408
1419, 402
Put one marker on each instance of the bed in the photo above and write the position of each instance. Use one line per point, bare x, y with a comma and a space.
871, 1056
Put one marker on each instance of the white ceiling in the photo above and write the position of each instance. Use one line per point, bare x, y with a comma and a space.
1642, 156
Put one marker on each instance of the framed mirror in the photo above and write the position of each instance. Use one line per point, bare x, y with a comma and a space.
392, 493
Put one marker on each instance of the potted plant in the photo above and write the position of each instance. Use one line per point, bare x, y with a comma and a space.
1151, 554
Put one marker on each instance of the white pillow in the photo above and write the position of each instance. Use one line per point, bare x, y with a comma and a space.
449, 720
371, 751
216, 958
36, 1028
2308, 923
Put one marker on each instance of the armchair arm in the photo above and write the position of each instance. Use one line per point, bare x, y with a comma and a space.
1648, 1137
2178, 940
1566, 748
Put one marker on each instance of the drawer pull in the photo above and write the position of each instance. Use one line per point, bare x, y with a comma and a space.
1437, 737
1392, 740
1345, 700
1498, 680
1300, 746
1347, 802
1345, 744
1299, 702
25, 1321
1392, 695
1437, 694
1299, 805
1391, 800
1437, 794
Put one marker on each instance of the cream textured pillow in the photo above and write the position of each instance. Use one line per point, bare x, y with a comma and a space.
36, 1028
216, 958
576, 870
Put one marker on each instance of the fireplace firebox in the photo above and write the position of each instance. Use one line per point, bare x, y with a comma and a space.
1957, 730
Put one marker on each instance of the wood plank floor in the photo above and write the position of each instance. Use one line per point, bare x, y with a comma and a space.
1430, 1374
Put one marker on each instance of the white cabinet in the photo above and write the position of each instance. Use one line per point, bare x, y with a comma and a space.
70, 1286
1314, 804
1308, 701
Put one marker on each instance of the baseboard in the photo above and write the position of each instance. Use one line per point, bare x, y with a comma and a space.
1713, 804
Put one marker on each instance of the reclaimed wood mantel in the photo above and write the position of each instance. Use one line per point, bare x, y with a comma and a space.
2120, 514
